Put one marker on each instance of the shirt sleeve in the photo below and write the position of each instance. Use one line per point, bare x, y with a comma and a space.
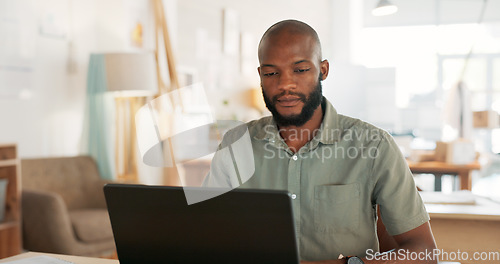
394, 190
233, 162
221, 170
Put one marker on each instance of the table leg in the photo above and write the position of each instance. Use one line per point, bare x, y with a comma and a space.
437, 182
465, 180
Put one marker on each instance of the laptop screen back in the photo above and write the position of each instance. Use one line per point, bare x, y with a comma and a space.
154, 224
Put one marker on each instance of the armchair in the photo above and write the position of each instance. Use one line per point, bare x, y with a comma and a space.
63, 207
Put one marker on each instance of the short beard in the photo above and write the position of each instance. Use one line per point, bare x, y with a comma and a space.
311, 103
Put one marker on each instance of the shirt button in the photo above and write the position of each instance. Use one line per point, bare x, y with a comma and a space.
294, 196
294, 157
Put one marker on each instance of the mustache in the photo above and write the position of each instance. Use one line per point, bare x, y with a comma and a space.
302, 97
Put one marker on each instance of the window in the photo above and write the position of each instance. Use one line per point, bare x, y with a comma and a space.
430, 59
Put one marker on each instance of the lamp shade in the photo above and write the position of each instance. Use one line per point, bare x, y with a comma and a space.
131, 74
383, 8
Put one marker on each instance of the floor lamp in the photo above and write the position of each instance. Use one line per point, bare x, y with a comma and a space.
132, 79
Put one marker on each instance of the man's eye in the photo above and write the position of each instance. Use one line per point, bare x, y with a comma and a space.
302, 70
270, 74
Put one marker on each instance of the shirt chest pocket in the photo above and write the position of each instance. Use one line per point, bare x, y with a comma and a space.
336, 208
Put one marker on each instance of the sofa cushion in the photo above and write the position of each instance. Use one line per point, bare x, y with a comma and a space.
58, 174
91, 225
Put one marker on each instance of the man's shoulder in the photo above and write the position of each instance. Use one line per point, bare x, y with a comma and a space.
255, 128
350, 125
348, 122
259, 125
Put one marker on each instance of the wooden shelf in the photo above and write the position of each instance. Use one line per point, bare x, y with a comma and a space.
11, 162
8, 151
10, 227
9, 224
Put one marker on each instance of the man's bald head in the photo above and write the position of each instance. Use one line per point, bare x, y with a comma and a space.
289, 27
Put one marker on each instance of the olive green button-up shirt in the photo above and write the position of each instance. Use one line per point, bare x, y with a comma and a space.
336, 181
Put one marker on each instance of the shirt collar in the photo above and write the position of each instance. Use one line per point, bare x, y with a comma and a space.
268, 129
329, 131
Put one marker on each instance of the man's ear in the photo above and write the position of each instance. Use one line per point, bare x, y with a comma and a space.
258, 70
324, 68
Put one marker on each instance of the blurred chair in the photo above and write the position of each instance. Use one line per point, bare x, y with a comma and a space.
63, 207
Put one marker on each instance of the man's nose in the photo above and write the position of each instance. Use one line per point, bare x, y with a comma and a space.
286, 81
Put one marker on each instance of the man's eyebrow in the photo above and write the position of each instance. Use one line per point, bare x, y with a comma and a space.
300, 61
271, 65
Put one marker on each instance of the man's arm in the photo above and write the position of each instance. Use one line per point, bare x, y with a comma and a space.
418, 242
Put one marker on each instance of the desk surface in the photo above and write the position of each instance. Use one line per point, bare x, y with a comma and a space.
443, 167
483, 209
74, 259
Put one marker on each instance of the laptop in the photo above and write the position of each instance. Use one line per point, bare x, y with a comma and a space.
154, 224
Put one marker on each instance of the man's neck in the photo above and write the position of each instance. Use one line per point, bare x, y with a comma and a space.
297, 136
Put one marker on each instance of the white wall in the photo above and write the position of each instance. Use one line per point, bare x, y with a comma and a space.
200, 36
49, 122
48, 119
50, 114
345, 86
433, 12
